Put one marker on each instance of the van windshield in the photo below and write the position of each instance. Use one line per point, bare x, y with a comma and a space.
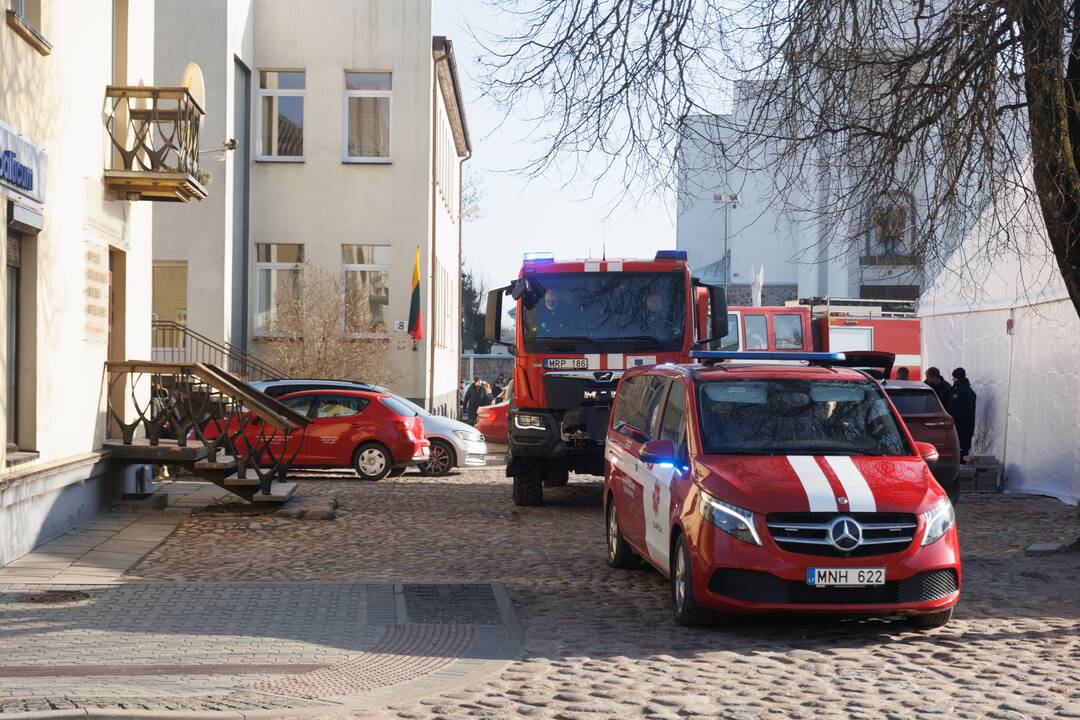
606, 312
797, 417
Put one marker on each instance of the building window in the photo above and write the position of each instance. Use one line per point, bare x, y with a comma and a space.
24, 18
890, 229
368, 99
366, 275
277, 269
281, 115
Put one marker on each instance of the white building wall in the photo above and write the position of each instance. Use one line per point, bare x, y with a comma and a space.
323, 202
1006, 319
758, 232
56, 103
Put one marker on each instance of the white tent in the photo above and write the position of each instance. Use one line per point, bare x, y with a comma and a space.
1006, 318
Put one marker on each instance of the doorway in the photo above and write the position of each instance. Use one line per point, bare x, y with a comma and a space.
13, 313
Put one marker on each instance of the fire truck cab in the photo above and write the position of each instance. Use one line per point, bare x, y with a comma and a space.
579, 325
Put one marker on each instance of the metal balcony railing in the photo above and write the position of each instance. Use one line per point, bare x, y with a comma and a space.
154, 133
176, 343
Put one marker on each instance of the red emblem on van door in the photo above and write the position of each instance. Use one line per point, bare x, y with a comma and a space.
656, 499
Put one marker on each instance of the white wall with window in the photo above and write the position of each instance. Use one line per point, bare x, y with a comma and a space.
277, 271
362, 193
365, 273
368, 113
280, 111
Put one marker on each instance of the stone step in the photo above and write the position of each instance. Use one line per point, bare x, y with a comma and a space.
279, 493
251, 479
224, 462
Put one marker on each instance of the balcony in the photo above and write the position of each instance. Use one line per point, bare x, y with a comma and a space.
155, 140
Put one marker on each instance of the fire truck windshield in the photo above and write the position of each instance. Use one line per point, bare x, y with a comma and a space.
606, 312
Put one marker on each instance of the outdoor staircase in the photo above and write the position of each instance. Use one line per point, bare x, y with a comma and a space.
160, 414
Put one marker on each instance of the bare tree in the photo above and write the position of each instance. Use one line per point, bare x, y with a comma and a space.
322, 330
927, 113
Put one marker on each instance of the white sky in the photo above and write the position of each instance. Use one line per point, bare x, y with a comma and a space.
522, 215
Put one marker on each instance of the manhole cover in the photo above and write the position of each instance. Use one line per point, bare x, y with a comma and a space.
53, 597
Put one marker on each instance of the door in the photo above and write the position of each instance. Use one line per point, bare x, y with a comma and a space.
335, 423
662, 479
640, 482
13, 344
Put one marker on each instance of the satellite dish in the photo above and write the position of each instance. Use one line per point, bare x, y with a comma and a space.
192, 79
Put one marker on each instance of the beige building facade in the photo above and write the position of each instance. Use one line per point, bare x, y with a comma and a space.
76, 287
350, 135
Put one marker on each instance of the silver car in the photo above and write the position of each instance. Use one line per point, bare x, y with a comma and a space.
453, 443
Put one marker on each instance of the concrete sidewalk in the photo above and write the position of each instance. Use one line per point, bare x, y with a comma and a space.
227, 650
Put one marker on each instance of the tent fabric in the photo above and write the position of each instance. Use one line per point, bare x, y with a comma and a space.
1005, 317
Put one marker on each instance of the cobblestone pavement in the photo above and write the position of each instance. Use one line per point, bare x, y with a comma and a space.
600, 642
245, 647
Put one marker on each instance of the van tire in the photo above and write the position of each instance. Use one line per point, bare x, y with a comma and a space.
619, 553
529, 484
685, 608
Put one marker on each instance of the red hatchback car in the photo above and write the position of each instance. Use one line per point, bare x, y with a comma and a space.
372, 432
765, 488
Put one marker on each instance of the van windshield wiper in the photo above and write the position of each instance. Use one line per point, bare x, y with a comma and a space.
655, 343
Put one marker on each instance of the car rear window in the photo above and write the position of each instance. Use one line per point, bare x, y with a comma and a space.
797, 417
398, 407
916, 402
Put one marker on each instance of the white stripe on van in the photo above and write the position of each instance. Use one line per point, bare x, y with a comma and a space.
819, 492
860, 497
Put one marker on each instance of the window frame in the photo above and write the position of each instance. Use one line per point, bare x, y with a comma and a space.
327, 398
346, 268
746, 331
271, 266
260, 93
347, 94
783, 317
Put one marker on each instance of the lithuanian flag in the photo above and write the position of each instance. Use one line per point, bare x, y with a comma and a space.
416, 330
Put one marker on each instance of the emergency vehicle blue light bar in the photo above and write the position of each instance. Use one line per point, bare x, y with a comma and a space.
539, 257
811, 357
671, 255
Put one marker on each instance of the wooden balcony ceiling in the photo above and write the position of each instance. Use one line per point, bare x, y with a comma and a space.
150, 185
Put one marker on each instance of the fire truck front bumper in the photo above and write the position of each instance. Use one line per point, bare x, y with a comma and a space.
559, 434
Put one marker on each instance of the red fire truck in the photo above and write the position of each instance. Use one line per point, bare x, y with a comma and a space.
579, 325
829, 325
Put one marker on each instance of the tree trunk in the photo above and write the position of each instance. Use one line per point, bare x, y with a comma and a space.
1052, 85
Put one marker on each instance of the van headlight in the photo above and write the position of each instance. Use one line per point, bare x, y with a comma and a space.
732, 519
938, 519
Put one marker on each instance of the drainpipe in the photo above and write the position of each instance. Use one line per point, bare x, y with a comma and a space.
432, 220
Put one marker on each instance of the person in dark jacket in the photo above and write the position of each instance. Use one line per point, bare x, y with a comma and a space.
962, 407
941, 385
474, 397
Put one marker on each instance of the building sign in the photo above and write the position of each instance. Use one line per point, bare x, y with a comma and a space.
22, 165
97, 292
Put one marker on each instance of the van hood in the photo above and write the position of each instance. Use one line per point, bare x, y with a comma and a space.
815, 483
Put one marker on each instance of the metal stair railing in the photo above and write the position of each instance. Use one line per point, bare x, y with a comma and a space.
178, 402
177, 343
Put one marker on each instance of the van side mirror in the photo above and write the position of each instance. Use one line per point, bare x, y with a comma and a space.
927, 451
657, 452
493, 317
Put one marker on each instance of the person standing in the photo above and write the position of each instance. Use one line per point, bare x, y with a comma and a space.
941, 385
962, 408
473, 397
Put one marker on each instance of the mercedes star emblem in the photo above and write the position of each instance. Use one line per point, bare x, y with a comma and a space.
845, 534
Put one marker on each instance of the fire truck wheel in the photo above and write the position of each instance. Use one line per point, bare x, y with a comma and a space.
529, 484
556, 476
